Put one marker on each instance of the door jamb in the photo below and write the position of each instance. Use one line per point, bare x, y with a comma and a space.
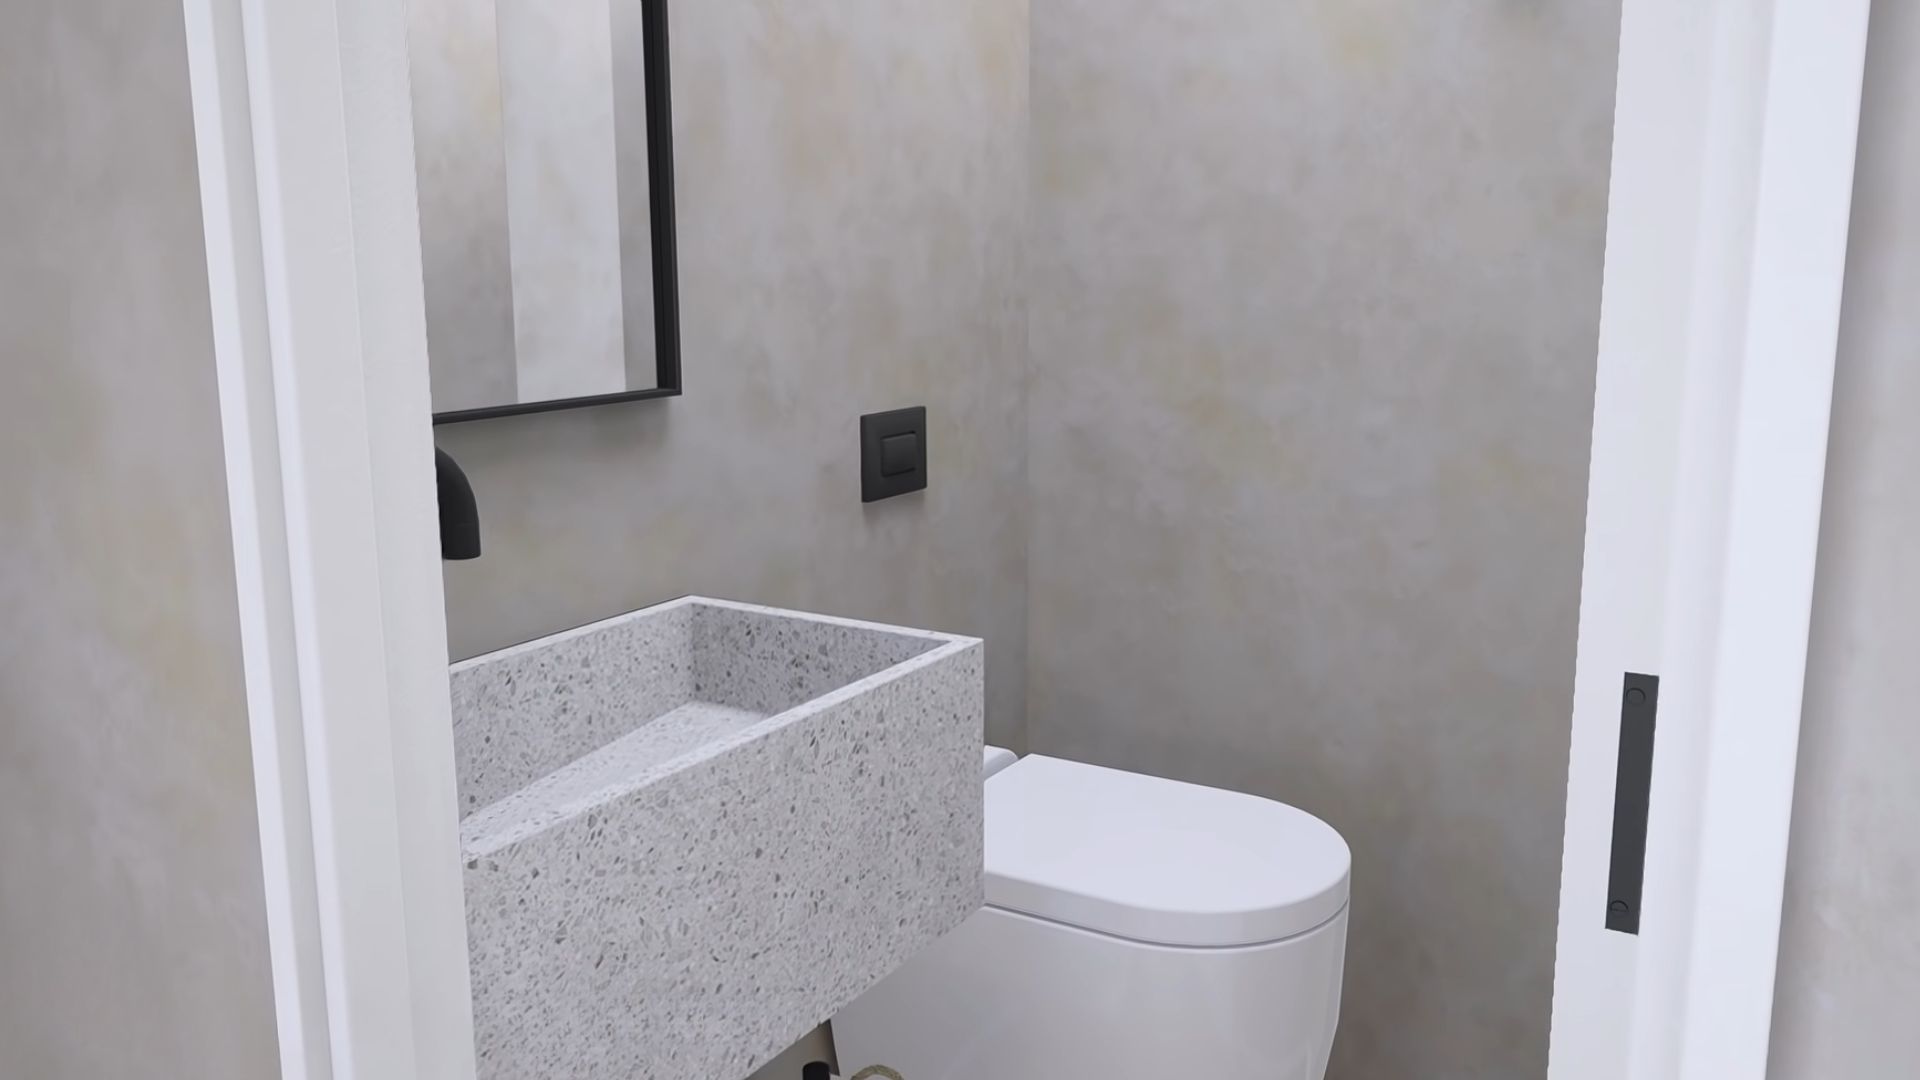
1735, 133
303, 123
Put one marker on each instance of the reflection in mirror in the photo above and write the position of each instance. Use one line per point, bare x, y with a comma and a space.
542, 133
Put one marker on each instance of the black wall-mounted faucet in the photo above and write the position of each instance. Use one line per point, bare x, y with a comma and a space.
459, 514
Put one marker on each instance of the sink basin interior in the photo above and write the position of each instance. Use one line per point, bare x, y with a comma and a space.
610, 705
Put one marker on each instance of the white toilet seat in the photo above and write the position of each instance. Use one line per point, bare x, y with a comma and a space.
1155, 860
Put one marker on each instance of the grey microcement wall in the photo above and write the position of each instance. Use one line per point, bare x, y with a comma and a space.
1314, 313
132, 920
1849, 971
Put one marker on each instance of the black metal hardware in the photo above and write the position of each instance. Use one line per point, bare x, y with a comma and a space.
1632, 785
893, 453
459, 512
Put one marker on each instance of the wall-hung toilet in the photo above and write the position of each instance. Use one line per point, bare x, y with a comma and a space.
1136, 928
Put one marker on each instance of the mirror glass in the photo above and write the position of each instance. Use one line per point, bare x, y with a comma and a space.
542, 136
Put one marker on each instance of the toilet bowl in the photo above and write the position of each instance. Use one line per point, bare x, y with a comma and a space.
1136, 928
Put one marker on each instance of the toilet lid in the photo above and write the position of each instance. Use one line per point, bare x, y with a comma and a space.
1157, 860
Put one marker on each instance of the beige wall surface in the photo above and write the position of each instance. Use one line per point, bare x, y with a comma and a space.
1314, 308
850, 207
132, 920
1849, 976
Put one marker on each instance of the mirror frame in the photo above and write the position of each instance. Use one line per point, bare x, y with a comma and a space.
666, 285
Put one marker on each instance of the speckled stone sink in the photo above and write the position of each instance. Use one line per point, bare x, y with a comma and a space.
695, 831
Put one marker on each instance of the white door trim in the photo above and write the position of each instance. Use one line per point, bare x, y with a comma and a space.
1732, 184
1742, 802
302, 116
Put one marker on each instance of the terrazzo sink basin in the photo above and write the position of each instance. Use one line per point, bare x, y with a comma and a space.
695, 831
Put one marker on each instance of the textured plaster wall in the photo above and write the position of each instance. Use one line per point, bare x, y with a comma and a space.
1313, 317
132, 920
851, 196
1850, 946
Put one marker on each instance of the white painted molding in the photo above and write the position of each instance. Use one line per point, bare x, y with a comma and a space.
1646, 297
1730, 918
230, 213
393, 327
1733, 164
301, 112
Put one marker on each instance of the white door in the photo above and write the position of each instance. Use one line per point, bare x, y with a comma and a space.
1726, 238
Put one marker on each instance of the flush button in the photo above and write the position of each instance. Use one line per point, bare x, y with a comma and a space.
899, 454
893, 453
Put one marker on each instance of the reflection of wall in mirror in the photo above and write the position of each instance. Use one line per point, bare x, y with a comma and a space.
530, 131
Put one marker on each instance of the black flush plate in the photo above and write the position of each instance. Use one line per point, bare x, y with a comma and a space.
893, 453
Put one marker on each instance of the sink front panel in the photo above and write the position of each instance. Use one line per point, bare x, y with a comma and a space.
706, 873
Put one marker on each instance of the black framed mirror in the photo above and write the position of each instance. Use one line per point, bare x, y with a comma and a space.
543, 140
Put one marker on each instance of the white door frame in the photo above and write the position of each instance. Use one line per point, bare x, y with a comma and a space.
1732, 170
1734, 141
304, 125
